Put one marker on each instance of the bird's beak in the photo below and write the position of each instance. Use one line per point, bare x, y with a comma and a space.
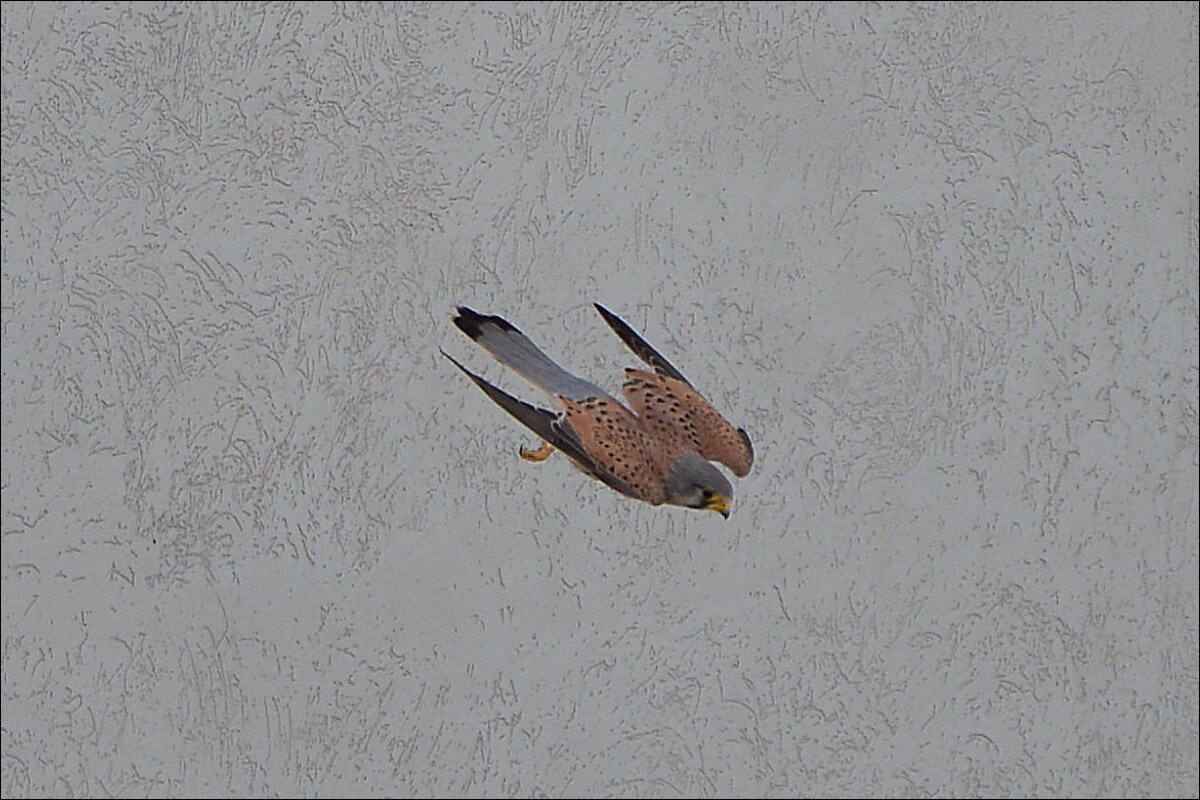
720, 505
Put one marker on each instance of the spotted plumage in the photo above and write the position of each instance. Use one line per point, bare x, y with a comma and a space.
620, 444
672, 410
658, 449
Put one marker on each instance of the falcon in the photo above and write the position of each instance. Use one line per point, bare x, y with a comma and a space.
659, 448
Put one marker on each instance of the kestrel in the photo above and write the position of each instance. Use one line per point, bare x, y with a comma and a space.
657, 449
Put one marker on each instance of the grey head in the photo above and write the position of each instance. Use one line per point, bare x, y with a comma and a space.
693, 482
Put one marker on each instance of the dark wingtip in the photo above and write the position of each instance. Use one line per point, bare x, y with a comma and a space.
621, 328
454, 361
470, 322
749, 449
640, 347
478, 381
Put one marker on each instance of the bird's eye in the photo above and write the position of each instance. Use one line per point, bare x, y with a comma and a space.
707, 494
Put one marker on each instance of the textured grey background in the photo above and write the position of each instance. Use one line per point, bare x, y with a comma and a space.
259, 538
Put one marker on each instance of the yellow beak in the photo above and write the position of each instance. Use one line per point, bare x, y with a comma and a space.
719, 505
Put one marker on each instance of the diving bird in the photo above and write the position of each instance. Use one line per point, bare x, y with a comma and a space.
658, 449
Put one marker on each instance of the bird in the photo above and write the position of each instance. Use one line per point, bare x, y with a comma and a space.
659, 448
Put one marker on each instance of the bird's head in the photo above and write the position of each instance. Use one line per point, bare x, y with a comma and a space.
695, 483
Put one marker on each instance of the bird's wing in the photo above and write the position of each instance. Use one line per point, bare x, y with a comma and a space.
673, 411
620, 445
553, 428
652, 395
640, 347
514, 350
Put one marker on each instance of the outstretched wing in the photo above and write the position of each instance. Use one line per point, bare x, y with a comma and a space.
693, 419
551, 427
640, 347
674, 411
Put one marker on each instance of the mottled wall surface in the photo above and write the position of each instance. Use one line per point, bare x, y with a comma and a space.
259, 538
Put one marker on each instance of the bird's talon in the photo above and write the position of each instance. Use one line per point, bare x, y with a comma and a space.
541, 454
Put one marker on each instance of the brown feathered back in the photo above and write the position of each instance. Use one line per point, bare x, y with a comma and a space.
673, 411
621, 445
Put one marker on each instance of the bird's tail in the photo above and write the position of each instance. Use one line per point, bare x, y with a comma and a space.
514, 350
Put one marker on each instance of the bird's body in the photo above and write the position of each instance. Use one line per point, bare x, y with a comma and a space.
658, 449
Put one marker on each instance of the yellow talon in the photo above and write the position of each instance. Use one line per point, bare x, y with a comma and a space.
539, 455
